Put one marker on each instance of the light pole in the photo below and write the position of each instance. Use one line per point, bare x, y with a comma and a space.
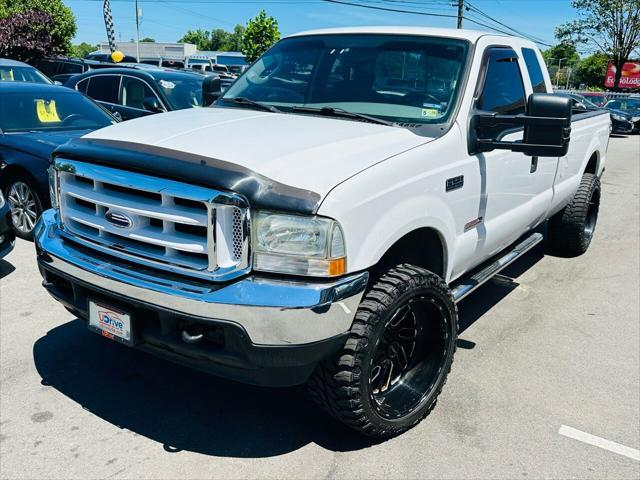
569, 72
558, 72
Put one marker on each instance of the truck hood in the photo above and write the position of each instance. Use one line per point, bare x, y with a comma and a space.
303, 151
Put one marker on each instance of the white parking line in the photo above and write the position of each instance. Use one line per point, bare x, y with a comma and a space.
599, 442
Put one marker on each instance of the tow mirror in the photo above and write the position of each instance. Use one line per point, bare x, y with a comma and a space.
211, 89
547, 128
152, 105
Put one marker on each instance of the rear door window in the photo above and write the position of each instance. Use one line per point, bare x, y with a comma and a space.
503, 91
534, 69
104, 88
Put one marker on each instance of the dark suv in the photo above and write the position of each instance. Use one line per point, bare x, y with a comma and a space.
61, 69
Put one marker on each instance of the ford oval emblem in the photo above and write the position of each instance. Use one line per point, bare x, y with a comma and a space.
119, 219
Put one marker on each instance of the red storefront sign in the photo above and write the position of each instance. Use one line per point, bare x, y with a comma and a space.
630, 75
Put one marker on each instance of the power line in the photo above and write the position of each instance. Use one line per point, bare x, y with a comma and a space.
473, 20
397, 10
518, 32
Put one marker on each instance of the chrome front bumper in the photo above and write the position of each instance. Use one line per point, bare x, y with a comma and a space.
271, 311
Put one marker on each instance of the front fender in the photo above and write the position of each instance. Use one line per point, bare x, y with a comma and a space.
383, 204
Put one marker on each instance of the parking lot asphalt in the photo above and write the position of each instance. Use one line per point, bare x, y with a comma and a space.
550, 347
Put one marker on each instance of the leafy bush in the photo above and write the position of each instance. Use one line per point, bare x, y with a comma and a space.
27, 36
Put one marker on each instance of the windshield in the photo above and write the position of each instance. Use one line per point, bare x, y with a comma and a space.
181, 91
49, 111
586, 102
22, 74
626, 104
411, 80
596, 98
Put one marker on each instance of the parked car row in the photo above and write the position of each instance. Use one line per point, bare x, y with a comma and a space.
621, 120
61, 69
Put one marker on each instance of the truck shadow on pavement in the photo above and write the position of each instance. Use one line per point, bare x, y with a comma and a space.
6, 268
187, 410
180, 408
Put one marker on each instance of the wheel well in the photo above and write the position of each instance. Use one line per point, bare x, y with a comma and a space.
592, 165
10, 170
423, 247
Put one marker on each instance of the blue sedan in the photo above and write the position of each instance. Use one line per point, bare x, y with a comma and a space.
34, 120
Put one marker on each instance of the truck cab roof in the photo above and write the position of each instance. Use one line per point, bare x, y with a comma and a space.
462, 34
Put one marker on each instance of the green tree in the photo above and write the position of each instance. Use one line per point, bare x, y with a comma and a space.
609, 26
592, 70
218, 39
233, 42
564, 50
83, 49
63, 27
260, 34
148, 40
198, 37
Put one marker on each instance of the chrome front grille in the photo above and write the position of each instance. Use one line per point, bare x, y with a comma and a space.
187, 229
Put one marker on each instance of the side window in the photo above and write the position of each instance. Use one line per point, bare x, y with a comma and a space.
83, 85
503, 90
535, 72
133, 92
104, 88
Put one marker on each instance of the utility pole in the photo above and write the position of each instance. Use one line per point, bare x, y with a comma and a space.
137, 32
460, 7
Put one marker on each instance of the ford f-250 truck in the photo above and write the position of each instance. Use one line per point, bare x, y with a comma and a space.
319, 224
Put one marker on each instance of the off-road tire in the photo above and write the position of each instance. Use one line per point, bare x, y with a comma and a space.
341, 385
571, 229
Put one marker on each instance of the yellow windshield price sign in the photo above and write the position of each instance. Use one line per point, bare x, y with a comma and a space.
6, 75
47, 112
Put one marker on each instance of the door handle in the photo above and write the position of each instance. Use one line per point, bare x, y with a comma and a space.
534, 164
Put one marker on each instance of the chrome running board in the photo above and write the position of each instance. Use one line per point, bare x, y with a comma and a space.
468, 284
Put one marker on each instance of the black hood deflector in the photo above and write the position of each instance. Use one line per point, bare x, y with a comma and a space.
260, 191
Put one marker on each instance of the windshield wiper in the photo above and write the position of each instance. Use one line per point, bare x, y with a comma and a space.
340, 112
253, 103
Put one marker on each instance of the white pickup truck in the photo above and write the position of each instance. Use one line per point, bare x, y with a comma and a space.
320, 222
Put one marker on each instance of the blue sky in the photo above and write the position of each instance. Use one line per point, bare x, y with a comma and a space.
167, 20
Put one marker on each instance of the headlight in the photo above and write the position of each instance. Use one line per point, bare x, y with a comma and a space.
53, 188
635, 119
297, 245
2, 202
619, 118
